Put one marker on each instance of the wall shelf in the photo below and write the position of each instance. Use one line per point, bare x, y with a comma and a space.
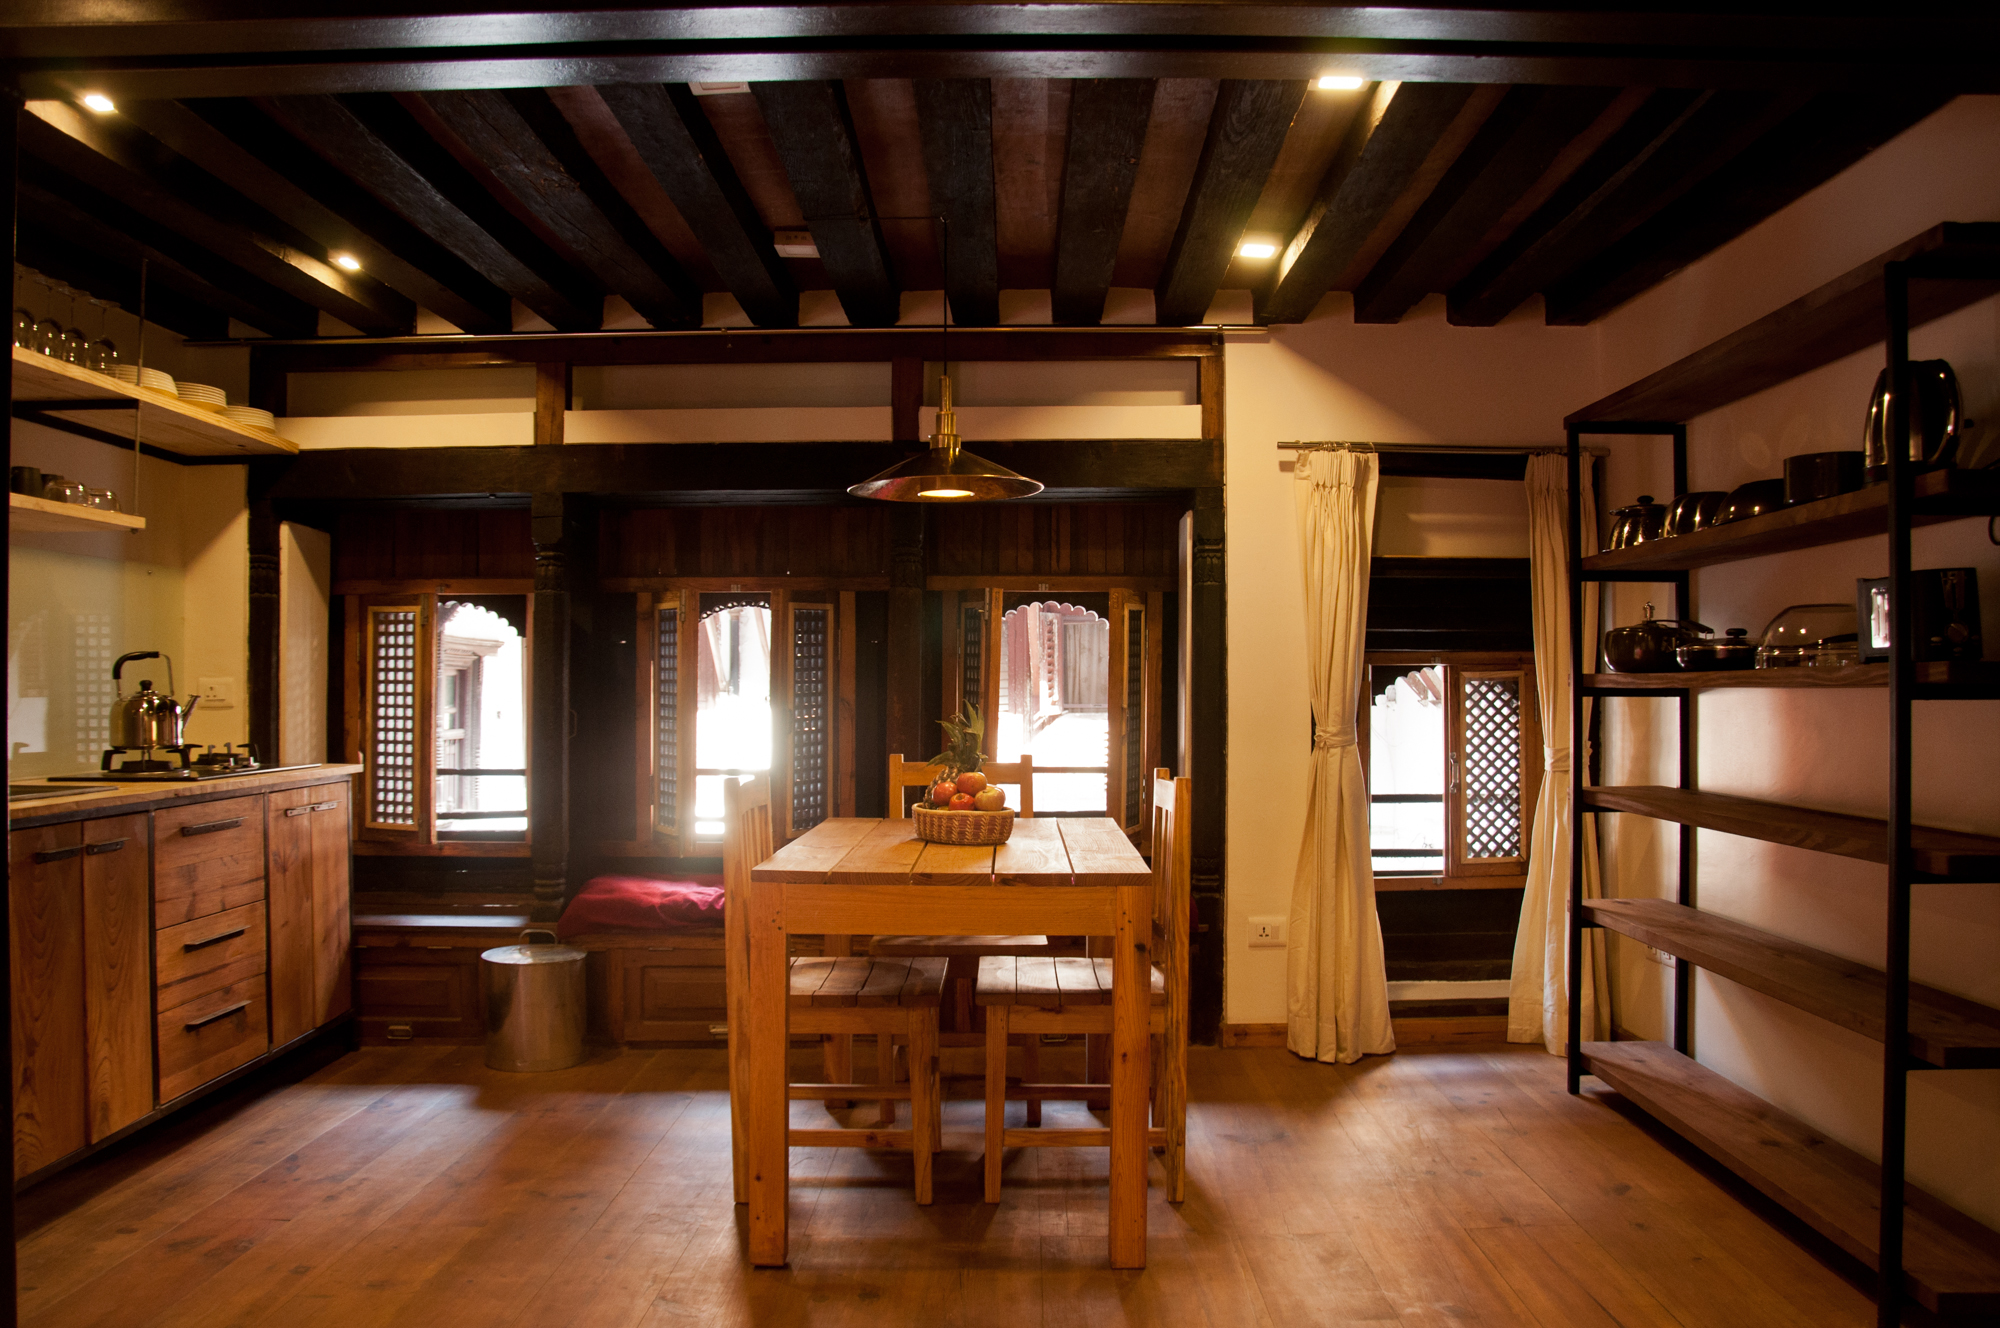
1942, 495
1845, 315
40, 516
1947, 1031
165, 421
1950, 1264
1981, 678
1951, 854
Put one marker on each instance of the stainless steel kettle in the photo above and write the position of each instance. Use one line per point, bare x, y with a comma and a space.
147, 718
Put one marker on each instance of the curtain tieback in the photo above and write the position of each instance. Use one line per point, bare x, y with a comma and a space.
1330, 740
1555, 760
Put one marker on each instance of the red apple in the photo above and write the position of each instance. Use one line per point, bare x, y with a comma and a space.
992, 798
971, 782
961, 802
942, 793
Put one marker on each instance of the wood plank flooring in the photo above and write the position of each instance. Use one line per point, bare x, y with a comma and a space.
411, 1186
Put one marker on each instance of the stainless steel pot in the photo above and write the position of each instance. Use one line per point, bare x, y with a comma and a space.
1642, 521
1933, 418
534, 1004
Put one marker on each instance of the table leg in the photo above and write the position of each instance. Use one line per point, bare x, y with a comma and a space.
769, 1105
1131, 982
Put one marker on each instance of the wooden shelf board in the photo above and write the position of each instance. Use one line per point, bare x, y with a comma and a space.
1979, 674
1942, 495
1951, 1264
1843, 316
1947, 1031
165, 421
1942, 853
44, 517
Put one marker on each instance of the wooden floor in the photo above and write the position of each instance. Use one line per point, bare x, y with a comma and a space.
412, 1186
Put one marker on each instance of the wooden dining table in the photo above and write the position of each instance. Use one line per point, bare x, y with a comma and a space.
1069, 876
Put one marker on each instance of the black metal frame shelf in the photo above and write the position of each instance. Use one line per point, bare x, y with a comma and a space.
1921, 1251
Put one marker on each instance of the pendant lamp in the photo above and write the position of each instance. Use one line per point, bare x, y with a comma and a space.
946, 473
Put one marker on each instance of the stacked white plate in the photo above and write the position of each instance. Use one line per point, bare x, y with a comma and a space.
251, 417
153, 378
201, 394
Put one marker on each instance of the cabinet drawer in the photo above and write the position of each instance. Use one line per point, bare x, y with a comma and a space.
207, 858
431, 993
211, 1035
199, 956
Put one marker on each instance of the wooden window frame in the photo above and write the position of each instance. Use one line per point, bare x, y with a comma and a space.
373, 838
1459, 666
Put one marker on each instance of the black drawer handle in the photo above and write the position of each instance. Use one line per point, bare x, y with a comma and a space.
210, 827
192, 946
223, 1013
58, 854
108, 846
310, 808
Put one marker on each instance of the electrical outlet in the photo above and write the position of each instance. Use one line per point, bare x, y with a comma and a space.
1267, 933
1660, 956
218, 693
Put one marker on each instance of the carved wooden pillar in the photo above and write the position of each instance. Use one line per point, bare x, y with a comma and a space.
548, 748
905, 719
1208, 662
264, 688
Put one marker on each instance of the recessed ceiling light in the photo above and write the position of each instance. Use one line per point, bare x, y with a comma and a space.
794, 244
715, 89
348, 261
1341, 82
1256, 249
100, 103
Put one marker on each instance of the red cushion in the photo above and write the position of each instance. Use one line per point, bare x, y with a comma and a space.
644, 903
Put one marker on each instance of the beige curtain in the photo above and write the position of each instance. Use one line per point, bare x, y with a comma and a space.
1336, 995
1538, 1001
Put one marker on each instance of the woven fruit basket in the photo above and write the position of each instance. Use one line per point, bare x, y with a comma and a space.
946, 827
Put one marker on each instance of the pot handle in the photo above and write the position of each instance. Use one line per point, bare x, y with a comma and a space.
539, 931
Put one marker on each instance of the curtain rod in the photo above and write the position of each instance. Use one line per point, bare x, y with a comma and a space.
1433, 447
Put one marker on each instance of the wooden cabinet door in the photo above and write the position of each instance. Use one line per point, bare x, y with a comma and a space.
333, 931
117, 972
45, 911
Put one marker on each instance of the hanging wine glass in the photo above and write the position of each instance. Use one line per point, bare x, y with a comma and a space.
103, 351
76, 346
48, 332
24, 329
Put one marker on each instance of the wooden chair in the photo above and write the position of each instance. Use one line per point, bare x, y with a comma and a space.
1035, 995
839, 995
906, 775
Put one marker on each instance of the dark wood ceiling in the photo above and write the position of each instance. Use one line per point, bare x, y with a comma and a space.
476, 203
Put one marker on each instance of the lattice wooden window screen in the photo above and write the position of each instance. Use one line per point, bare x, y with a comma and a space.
972, 656
666, 710
812, 715
1489, 771
394, 665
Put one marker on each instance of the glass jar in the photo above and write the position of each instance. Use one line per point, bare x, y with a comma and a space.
1810, 636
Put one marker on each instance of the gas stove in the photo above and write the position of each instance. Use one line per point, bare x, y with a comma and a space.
190, 775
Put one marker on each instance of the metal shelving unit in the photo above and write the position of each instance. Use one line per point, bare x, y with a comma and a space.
1923, 1251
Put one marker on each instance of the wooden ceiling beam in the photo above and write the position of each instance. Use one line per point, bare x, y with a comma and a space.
114, 157
527, 145
677, 143
63, 202
1825, 136
1107, 129
1511, 151
240, 145
376, 143
1403, 134
1244, 135
97, 260
955, 118
814, 130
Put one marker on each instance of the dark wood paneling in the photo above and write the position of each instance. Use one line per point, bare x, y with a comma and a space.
744, 541
427, 544
1107, 130
1244, 135
1057, 540
814, 133
955, 117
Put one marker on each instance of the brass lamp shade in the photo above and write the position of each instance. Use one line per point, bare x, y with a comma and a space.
946, 473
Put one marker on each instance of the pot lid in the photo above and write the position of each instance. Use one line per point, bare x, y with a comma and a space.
551, 952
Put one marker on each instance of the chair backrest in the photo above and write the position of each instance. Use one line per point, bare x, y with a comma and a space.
918, 774
1173, 871
746, 841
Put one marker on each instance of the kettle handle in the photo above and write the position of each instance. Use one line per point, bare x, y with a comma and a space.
125, 659
540, 931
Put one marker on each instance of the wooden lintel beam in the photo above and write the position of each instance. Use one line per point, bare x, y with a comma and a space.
1828, 134
1107, 128
109, 154
240, 145
674, 138
1405, 130
810, 122
525, 143
1244, 134
955, 120
774, 470
1518, 142
375, 142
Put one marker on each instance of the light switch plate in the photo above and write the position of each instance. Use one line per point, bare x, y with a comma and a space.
218, 693
1267, 933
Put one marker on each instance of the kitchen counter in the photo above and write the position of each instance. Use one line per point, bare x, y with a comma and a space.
103, 798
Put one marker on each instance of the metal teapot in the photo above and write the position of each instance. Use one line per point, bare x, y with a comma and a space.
147, 718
